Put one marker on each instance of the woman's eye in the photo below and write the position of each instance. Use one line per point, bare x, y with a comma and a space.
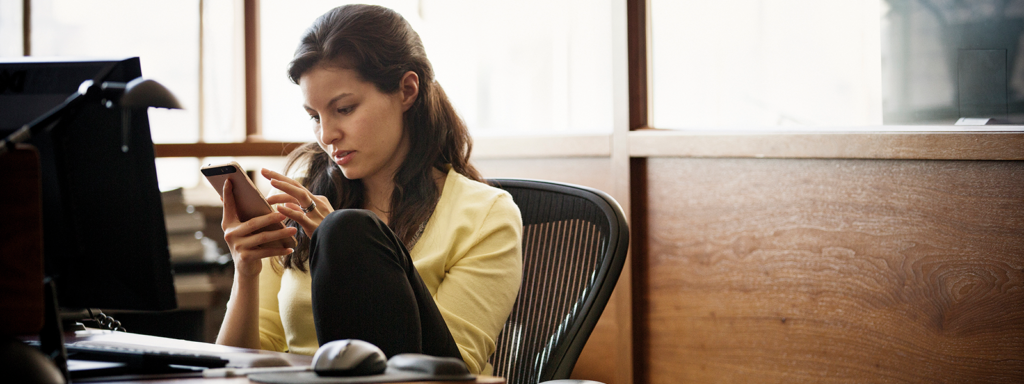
346, 110
315, 118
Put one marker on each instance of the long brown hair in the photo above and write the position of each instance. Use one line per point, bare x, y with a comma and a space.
381, 46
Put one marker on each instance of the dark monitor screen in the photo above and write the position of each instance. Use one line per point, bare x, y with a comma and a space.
104, 240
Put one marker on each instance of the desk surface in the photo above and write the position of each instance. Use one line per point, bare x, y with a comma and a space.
237, 357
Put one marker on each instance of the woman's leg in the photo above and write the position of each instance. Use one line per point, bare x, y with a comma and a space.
366, 287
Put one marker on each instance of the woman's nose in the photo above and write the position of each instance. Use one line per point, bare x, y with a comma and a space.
330, 131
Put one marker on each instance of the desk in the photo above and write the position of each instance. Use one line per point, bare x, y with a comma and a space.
237, 357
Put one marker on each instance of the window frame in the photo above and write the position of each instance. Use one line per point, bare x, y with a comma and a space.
874, 142
643, 140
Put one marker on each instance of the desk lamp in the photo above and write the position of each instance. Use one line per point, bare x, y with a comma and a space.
136, 94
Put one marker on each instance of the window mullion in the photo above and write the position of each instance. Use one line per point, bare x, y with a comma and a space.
253, 111
638, 25
26, 27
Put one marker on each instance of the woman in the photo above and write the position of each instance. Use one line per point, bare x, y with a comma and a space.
409, 250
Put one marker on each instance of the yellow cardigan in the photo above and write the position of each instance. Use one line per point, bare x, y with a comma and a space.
469, 256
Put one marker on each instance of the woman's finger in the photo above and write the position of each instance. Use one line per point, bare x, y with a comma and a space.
236, 231
309, 221
261, 239
292, 211
323, 204
258, 222
282, 198
289, 186
230, 217
271, 175
301, 195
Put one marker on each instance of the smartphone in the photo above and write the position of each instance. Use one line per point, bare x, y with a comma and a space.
249, 201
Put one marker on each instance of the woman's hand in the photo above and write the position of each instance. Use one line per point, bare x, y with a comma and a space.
244, 244
297, 203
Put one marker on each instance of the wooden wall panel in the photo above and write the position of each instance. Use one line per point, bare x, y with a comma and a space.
781, 270
586, 171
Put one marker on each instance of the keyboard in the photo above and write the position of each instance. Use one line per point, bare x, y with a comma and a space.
145, 357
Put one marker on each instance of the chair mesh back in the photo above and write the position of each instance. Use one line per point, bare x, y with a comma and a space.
565, 240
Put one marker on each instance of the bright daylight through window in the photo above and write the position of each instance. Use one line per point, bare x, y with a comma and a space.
753, 64
206, 78
524, 67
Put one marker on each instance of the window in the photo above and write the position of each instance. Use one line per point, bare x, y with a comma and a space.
526, 67
194, 48
168, 47
11, 28
757, 63
943, 61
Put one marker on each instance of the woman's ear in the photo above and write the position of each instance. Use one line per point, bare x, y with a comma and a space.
410, 87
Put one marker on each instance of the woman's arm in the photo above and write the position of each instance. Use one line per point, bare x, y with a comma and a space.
479, 289
241, 321
240, 327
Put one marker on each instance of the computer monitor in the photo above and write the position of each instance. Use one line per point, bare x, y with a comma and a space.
104, 240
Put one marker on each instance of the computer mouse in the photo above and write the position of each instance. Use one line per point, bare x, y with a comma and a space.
429, 365
21, 363
349, 357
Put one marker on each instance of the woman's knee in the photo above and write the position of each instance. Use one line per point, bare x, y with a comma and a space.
345, 223
352, 233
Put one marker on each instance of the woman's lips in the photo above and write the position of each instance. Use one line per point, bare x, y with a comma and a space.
343, 157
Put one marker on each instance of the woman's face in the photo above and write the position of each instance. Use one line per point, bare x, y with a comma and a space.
356, 124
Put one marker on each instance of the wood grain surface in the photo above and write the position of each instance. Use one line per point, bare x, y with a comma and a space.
827, 143
836, 271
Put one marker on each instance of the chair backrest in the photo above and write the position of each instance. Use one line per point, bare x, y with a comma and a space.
574, 246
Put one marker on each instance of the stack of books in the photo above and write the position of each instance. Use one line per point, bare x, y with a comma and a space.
185, 227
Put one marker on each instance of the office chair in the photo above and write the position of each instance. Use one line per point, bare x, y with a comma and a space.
574, 246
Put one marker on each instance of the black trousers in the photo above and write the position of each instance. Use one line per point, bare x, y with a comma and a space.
366, 287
